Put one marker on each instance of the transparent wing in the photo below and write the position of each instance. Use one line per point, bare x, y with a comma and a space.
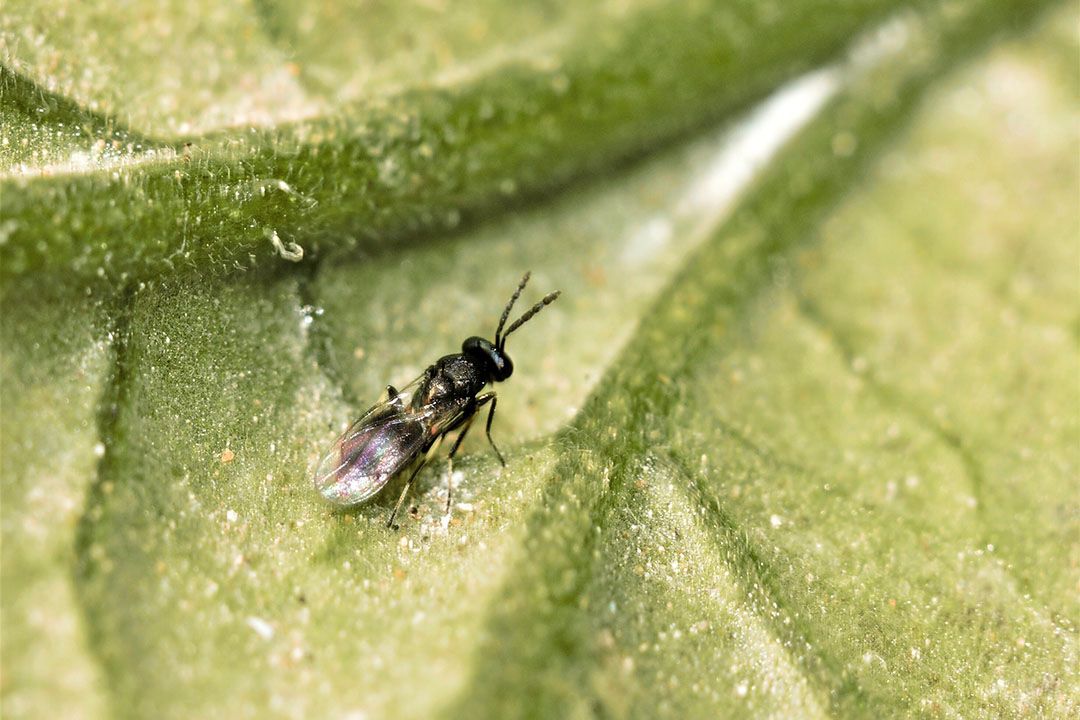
386, 438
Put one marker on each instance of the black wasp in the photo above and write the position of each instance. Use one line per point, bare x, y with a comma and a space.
406, 427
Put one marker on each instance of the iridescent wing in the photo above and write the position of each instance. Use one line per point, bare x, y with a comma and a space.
375, 448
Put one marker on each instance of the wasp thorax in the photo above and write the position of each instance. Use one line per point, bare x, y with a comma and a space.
495, 360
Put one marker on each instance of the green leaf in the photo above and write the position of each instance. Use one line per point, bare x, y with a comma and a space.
209, 146
798, 449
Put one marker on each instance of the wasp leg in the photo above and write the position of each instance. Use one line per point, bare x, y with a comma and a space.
408, 483
480, 401
404, 492
450, 458
392, 396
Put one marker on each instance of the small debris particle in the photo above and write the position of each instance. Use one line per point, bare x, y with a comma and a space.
289, 251
227, 455
262, 628
844, 144
399, 574
776, 521
231, 516
595, 276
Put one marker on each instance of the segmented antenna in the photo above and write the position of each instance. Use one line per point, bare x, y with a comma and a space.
548, 299
509, 306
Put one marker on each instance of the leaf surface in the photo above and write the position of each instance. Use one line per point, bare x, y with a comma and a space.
798, 440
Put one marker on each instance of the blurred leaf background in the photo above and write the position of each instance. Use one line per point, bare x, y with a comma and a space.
800, 439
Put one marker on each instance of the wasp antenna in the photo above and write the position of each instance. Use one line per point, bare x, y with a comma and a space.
510, 305
547, 300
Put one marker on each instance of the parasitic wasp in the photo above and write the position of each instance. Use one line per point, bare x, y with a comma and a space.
406, 427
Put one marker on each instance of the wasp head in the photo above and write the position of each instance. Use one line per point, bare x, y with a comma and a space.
494, 359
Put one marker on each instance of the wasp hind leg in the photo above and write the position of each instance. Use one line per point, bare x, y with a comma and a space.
408, 483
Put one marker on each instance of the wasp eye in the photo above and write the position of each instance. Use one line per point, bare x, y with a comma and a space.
497, 362
504, 367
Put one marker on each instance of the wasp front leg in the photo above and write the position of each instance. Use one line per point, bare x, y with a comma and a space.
450, 459
491, 416
480, 402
